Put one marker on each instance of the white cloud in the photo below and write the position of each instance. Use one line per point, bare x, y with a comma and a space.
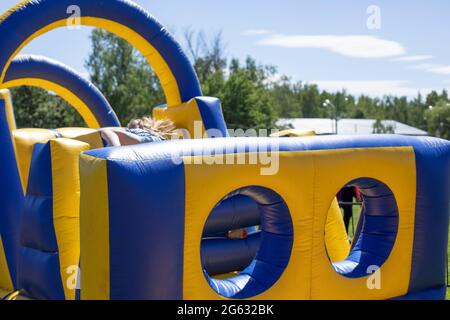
413, 58
356, 46
256, 32
440, 70
374, 88
433, 68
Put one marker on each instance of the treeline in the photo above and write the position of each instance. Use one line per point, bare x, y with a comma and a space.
253, 95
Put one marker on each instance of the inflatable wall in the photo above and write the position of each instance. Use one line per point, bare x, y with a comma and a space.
156, 221
157, 194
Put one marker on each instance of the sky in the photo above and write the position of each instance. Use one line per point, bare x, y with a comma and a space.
373, 47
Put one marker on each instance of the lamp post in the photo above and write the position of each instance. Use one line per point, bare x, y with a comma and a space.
334, 115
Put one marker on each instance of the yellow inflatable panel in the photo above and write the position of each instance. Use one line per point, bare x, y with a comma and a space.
87, 135
336, 238
309, 274
5, 279
6, 95
66, 205
64, 93
25, 139
293, 133
94, 229
184, 115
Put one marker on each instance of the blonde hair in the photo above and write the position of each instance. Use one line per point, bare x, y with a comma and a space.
163, 128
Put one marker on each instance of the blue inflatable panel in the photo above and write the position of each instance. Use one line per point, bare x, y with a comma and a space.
375, 238
39, 260
11, 196
429, 294
234, 213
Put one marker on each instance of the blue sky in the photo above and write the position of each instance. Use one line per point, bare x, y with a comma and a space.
321, 41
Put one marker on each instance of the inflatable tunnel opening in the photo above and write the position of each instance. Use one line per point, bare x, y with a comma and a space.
247, 265
374, 235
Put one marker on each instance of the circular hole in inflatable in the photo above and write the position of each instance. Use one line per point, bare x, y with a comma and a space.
247, 242
362, 220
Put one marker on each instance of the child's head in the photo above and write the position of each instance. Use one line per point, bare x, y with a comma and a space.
163, 128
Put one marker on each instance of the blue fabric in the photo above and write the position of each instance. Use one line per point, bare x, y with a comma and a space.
377, 235
273, 255
151, 233
37, 14
11, 196
39, 270
428, 294
232, 214
50, 70
212, 116
223, 255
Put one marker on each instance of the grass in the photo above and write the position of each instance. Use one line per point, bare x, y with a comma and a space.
354, 223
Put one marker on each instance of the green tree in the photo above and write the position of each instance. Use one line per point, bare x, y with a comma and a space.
287, 98
245, 90
37, 108
246, 99
123, 76
438, 119
311, 102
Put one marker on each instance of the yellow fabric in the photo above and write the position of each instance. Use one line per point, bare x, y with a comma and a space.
6, 95
159, 65
13, 9
25, 139
396, 168
64, 93
184, 116
5, 278
94, 229
293, 133
89, 136
336, 238
293, 183
308, 182
66, 205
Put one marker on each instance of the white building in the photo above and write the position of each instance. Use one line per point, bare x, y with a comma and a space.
349, 126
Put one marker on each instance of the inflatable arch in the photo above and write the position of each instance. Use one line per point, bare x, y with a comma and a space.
48, 74
54, 76
32, 18
185, 106
18, 144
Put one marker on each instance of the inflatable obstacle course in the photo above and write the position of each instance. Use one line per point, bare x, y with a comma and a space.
152, 221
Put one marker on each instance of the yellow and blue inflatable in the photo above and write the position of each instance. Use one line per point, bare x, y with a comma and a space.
148, 221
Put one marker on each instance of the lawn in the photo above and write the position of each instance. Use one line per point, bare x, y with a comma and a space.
354, 223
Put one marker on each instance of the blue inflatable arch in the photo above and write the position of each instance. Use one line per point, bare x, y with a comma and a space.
32, 18
52, 75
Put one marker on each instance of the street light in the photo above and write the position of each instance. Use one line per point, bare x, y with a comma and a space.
334, 116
